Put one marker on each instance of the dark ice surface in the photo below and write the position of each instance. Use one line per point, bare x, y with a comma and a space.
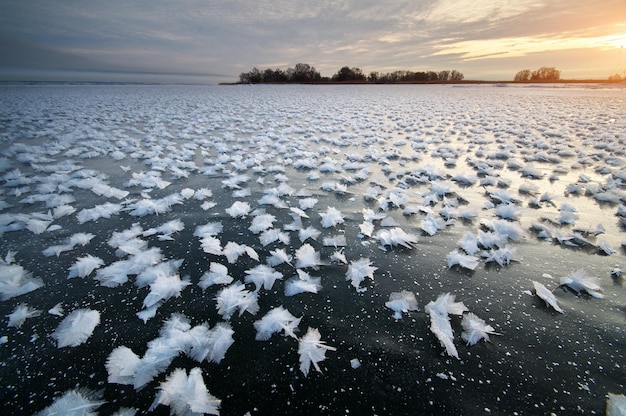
566, 143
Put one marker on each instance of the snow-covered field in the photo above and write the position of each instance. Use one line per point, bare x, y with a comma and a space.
312, 249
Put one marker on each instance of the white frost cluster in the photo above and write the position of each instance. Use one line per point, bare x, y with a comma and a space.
474, 328
71, 179
187, 394
276, 320
177, 336
358, 270
14, 280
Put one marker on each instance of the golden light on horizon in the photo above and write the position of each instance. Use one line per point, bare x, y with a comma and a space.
613, 41
520, 46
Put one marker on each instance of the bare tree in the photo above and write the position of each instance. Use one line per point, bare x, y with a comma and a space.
349, 74
543, 74
305, 73
546, 74
253, 77
456, 75
522, 76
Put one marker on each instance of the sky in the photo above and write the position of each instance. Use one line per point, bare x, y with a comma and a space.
214, 40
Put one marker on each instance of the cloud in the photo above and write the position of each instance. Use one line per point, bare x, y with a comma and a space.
18, 54
471, 11
512, 47
232, 36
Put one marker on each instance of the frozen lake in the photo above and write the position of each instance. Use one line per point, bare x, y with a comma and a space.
148, 228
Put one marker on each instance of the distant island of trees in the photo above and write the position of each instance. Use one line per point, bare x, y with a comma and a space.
551, 74
304, 73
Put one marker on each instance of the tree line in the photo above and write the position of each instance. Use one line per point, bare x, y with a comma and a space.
305, 73
543, 74
551, 74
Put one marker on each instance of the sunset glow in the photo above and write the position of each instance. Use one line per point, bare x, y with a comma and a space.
612, 41
484, 40
510, 47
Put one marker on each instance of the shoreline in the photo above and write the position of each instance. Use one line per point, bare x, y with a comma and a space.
468, 82
464, 82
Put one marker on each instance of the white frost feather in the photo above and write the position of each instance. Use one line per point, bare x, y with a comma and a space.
261, 223
165, 287
187, 394
276, 320
312, 350
20, 314
219, 340
306, 256
15, 281
236, 297
76, 328
366, 228
217, 275
464, 260
403, 301
233, 251
84, 266
547, 296
358, 270
279, 256
331, 217
262, 276
121, 365
440, 321
396, 236
308, 232
80, 402
201, 343
239, 209
615, 405
301, 283
579, 281
475, 329
56, 310
469, 243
